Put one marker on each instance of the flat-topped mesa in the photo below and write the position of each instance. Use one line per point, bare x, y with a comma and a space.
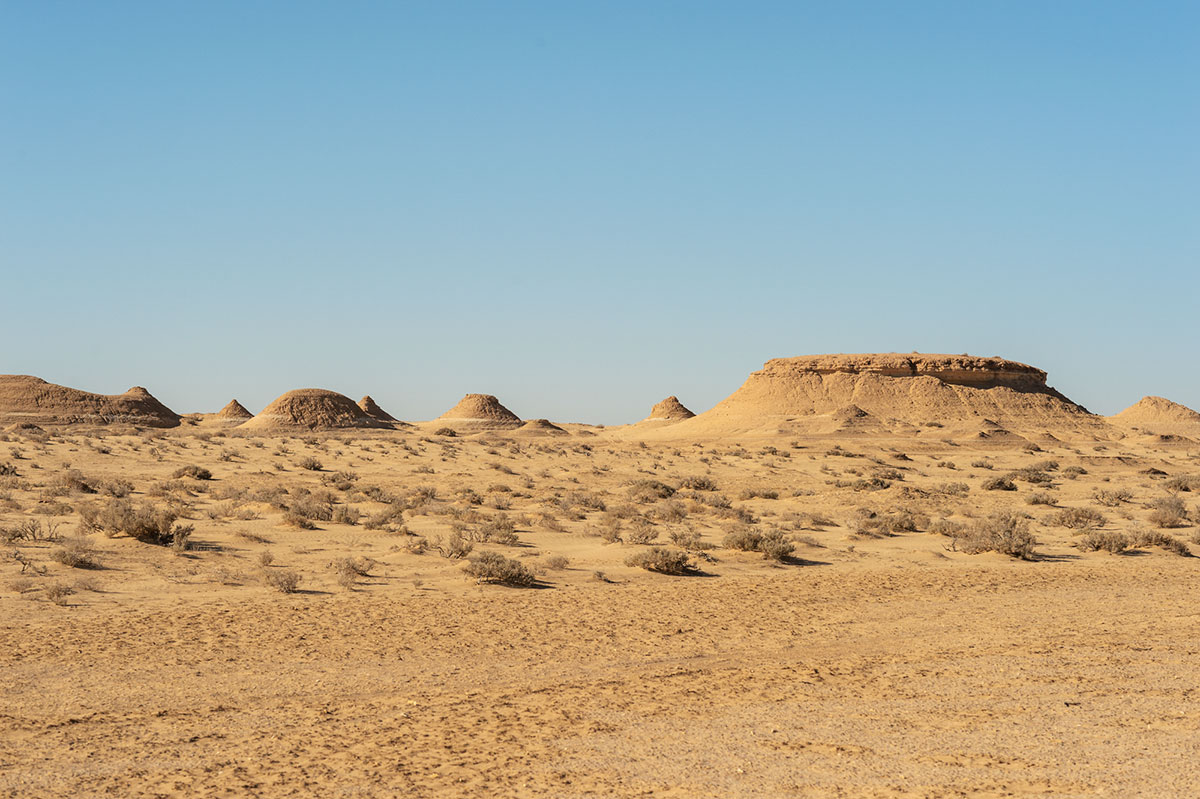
670, 409
372, 409
312, 409
29, 399
962, 370
890, 392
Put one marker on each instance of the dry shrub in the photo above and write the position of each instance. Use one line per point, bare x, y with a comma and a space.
77, 553
1168, 512
311, 464
557, 562
999, 484
698, 483
647, 491
346, 514
1040, 498
1077, 518
348, 570
454, 548
662, 560
1109, 540
193, 471
147, 523
1155, 538
1111, 499
492, 567
285, 581
1006, 533
641, 531
58, 593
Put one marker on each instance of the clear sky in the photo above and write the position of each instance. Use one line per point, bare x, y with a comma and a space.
585, 207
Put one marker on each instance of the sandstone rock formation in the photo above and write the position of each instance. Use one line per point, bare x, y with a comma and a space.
1160, 416
372, 409
234, 410
312, 409
540, 427
479, 412
28, 399
670, 409
892, 391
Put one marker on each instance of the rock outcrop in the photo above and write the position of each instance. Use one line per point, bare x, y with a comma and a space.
372, 409
1159, 416
892, 392
25, 399
671, 410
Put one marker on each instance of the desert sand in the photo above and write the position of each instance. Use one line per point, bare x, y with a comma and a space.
878, 576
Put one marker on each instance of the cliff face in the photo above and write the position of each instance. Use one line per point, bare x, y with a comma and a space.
963, 370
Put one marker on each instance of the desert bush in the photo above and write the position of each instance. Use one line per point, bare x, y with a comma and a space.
499, 529
448, 432
662, 560
30, 530
416, 544
557, 562
758, 493
192, 471
341, 481
1112, 541
8, 470
1040, 498
77, 553
948, 528
346, 514
698, 483
1006, 533
647, 491
71, 481
266, 558
775, 545
641, 531
454, 548
1186, 482
147, 523
492, 567
669, 511
348, 570
999, 484
310, 464
746, 539
58, 593
1030, 474
1113, 498
1155, 538
1073, 472
983, 464
1168, 512
116, 488
285, 581
388, 518
181, 537
1077, 518
689, 540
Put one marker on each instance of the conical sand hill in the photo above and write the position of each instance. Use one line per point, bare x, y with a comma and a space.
1161, 416
312, 409
372, 409
234, 410
670, 409
479, 412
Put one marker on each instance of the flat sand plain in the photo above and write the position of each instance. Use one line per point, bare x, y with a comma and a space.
872, 662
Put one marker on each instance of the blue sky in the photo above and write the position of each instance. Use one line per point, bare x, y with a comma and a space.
584, 207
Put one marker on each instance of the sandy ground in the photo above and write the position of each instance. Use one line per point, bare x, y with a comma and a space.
866, 664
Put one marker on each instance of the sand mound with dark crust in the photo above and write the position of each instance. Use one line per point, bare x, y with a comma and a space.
312, 409
372, 409
944, 393
481, 412
670, 409
234, 410
540, 427
28, 399
1161, 416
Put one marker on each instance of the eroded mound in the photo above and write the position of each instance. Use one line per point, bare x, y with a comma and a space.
1159, 415
482, 411
541, 427
912, 392
670, 409
234, 410
27, 399
372, 409
312, 409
